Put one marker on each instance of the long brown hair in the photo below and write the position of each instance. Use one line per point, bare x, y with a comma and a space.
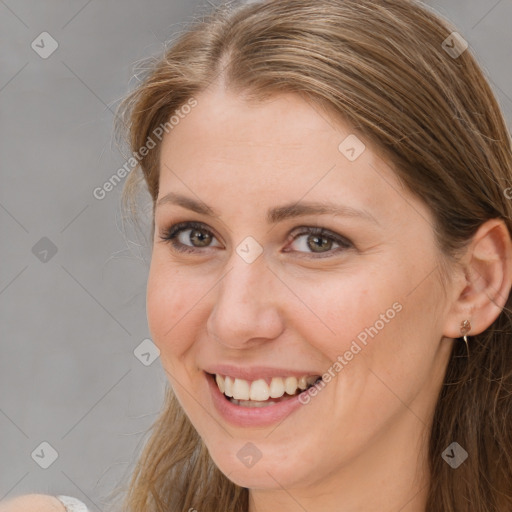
383, 67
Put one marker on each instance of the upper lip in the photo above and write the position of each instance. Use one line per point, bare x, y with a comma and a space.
253, 373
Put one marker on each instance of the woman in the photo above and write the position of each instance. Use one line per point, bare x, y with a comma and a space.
330, 276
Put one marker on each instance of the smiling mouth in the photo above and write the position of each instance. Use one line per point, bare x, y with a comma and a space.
261, 392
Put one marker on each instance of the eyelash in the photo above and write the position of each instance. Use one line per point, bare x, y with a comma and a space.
169, 236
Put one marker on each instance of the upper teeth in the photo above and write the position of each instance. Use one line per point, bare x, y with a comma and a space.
241, 389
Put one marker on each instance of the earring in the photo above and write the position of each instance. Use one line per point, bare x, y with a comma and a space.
465, 327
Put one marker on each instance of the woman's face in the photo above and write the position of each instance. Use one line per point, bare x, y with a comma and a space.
252, 290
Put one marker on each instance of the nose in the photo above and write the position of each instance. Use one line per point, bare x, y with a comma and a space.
247, 306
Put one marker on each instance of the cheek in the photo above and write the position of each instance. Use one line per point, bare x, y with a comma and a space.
336, 309
371, 322
170, 303
379, 357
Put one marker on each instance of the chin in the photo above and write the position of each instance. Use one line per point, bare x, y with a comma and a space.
262, 474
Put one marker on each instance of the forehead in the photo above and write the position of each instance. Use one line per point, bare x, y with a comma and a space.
281, 126
281, 150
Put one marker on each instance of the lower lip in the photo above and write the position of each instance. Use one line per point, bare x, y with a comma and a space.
251, 416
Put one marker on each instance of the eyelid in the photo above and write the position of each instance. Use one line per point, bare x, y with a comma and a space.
187, 224
343, 242
169, 235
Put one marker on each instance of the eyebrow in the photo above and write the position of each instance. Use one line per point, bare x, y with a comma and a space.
275, 214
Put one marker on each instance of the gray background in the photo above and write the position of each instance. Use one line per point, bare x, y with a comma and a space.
69, 325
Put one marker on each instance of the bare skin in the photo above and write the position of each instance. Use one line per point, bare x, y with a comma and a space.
32, 502
360, 444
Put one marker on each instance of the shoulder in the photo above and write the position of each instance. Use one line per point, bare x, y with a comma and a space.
33, 503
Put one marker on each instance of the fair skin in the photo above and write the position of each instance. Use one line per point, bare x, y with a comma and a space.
32, 503
360, 444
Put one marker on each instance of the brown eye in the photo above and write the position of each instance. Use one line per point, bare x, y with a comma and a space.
319, 241
200, 237
188, 236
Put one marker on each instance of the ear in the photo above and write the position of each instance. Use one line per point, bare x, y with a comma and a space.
486, 277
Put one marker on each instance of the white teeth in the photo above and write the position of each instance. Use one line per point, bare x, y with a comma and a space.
290, 385
228, 386
276, 387
220, 383
259, 390
241, 389
250, 403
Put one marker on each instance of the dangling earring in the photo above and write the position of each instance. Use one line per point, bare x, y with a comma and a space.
465, 327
